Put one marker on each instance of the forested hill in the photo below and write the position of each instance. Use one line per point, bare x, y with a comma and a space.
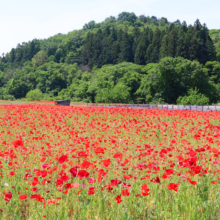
69, 66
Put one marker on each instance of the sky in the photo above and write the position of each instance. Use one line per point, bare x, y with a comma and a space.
24, 20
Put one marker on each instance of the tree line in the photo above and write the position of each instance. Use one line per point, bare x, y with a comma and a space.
126, 59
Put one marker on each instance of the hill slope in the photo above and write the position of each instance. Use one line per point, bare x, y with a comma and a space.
70, 66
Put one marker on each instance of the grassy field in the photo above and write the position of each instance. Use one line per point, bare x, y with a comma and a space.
60, 162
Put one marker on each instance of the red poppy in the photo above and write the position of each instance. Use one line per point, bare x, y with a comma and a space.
85, 164
45, 166
91, 190
18, 143
35, 181
12, 173
118, 155
118, 199
125, 192
145, 190
173, 186
99, 150
34, 189
193, 182
37, 197
169, 171
106, 163
115, 182
8, 196
73, 171
23, 197
63, 159
83, 174
137, 195
67, 186
82, 154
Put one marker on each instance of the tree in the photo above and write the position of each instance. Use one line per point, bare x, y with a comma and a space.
40, 58
140, 51
164, 47
197, 25
193, 98
110, 19
213, 71
152, 54
126, 16
34, 95
59, 54
162, 22
89, 26
172, 43
126, 53
173, 77
12, 55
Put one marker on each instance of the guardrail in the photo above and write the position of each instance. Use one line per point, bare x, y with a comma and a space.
160, 106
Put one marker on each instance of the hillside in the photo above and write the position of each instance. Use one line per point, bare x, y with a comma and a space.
215, 35
117, 60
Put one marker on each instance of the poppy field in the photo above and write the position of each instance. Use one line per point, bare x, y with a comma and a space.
59, 162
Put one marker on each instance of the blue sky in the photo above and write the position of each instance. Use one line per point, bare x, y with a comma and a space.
24, 20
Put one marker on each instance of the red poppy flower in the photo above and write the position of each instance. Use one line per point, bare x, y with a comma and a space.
137, 195
23, 197
106, 163
63, 159
91, 190
8, 196
35, 181
83, 174
82, 154
173, 186
67, 186
118, 155
73, 171
193, 182
18, 143
118, 199
12, 173
37, 197
85, 164
169, 171
115, 182
45, 166
34, 189
99, 150
65, 178
145, 190
125, 192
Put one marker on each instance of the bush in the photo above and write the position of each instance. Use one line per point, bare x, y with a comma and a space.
34, 95
8, 97
193, 98
47, 97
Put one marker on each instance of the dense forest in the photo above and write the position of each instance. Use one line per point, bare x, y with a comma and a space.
129, 59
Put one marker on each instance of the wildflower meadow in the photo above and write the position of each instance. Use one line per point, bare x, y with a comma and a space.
66, 162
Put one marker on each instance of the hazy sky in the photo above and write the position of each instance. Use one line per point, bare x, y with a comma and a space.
24, 20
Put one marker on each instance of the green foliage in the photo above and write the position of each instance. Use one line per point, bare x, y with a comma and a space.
126, 16
213, 71
215, 36
173, 77
193, 98
96, 63
40, 58
34, 95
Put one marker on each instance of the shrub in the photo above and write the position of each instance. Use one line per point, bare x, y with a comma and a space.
193, 98
34, 95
